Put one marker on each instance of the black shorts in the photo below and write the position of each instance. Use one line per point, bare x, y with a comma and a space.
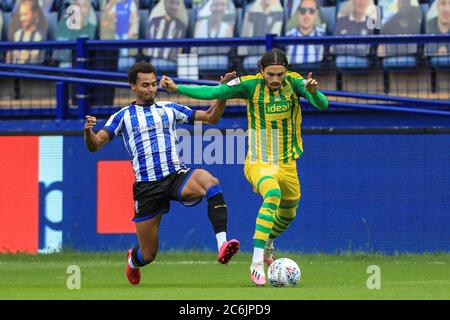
152, 198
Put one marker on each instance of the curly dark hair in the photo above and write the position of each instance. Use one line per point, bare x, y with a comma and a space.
143, 67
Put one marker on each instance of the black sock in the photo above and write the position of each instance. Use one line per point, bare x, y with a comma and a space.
217, 213
137, 259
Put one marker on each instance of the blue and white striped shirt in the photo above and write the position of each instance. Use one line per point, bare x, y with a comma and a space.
305, 53
149, 136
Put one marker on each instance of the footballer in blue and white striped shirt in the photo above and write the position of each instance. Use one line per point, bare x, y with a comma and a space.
148, 131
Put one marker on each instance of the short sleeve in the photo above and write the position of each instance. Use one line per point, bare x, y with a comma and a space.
183, 114
114, 124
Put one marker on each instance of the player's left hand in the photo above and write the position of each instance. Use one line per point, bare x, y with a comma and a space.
311, 84
227, 77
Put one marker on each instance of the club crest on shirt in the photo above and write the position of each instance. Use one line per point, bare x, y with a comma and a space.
286, 90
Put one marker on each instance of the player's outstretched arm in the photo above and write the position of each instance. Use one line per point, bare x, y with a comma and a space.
312, 93
221, 91
94, 141
215, 111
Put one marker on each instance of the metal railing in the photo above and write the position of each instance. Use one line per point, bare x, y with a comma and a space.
84, 77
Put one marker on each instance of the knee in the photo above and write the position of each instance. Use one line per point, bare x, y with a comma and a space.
208, 179
273, 196
211, 181
288, 208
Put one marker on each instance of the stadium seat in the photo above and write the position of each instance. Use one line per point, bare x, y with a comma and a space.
213, 60
165, 59
306, 56
400, 57
329, 15
145, 4
432, 51
164, 65
213, 64
400, 62
56, 6
351, 59
351, 62
143, 20
6, 24
192, 15
253, 15
52, 20
8, 5
443, 61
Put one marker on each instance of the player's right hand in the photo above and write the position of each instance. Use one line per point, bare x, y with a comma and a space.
168, 84
90, 122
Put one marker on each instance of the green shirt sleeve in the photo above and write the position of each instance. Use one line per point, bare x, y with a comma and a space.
221, 92
317, 99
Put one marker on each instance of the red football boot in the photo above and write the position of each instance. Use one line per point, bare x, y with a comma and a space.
133, 275
228, 250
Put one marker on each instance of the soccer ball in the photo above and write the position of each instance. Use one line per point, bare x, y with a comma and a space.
284, 272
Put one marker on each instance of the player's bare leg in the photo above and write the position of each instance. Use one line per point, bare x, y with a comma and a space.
147, 233
202, 184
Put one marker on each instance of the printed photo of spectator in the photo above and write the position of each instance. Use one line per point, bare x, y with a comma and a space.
70, 27
168, 20
438, 22
355, 17
28, 23
407, 20
307, 24
263, 17
45, 5
120, 21
216, 19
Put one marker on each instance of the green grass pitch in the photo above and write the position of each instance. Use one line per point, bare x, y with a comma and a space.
197, 275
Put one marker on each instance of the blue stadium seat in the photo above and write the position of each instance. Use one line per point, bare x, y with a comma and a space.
329, 15
6, 23
424, 7
56, 6
250, 63
164, 66
239, 21
52, 20
213, 64
143, 22
192, 15
7, 5
211, 60
252, 56
352, 62
400, 62
145, 4
409, 58
443, 61
350, 58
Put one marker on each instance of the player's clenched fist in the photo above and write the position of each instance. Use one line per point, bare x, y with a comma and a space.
90, 122
168, 84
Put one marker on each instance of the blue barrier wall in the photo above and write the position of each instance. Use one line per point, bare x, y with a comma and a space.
371, 192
